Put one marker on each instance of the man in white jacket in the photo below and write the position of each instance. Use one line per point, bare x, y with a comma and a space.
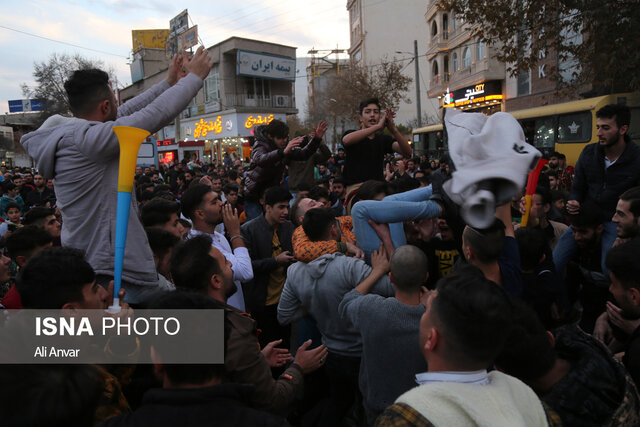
82, 154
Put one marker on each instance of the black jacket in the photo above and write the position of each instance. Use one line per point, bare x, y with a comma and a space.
592, 182
220, 405
257, 235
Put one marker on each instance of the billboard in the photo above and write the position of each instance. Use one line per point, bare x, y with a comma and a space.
152, 39
188, 39
179, 24
266, 66
24, 105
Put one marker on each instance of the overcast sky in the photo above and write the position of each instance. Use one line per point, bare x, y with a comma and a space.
101, 29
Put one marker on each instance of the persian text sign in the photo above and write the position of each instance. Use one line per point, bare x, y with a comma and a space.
266, 66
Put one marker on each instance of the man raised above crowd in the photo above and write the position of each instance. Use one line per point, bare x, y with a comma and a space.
82, 154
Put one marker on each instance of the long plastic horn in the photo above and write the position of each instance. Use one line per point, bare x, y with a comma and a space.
130, 139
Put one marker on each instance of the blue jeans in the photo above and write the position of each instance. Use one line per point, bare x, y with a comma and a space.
252, 209
392, 210
567, 247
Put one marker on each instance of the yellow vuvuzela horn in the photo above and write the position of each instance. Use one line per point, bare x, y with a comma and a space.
130, 139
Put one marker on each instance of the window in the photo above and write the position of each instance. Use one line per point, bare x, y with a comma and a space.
258, 88
455, 62
479, 51
445, 26
434, 29
212, 85
545, 134
466, 58
574, 127
357, 55
453, 22
524, 86
434, 68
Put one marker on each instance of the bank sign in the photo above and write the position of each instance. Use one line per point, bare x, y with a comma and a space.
254, 64
480, 92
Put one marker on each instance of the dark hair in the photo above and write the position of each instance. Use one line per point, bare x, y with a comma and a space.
622, 260
317, 222
192, 198
619, 112
161, 240
37, 215
51, 395
11, 205
54, 277
531, 245
486, 244
339, 180
558, 195
8, 185
527, 353
319, 192
275, 195
545, 194
191, 264
276, 129
409, 267
229, 187
370, 189
158, 211
632, 196
590, 216
474, 316
553, 173
185, 223
86, 88
293, 212
25, 239
146, 195
366, 102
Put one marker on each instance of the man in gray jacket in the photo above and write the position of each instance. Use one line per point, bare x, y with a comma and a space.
82, 154
319, 287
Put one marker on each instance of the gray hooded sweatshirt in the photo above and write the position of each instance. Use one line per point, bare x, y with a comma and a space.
319, 286
83, 158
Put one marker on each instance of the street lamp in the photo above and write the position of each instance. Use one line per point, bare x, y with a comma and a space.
415, 59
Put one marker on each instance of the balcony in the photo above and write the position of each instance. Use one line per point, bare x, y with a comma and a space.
274, 101
438, 42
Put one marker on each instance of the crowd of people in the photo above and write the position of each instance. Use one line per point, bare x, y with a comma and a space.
353, 291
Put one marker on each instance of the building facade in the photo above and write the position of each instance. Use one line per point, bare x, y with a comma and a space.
251, 83
385, 30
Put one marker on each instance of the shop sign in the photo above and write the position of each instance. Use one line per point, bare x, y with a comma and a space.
202, 128
258, 120
264, 65
474, 94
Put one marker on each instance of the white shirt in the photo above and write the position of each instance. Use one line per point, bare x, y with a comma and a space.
472, 377
242, 270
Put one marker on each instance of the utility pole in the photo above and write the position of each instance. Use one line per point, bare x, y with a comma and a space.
418, 106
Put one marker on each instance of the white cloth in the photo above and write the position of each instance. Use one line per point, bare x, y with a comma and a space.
504, 402
242, 270
491, 159
472, 377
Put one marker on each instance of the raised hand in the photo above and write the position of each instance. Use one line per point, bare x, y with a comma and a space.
176, 71
320, 129
388, 117
295, 142
200, 64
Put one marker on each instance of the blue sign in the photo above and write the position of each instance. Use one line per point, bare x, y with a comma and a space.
25, 105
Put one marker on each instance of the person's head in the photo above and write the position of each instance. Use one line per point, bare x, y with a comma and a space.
321, 224
58, 278
559, 199
162, 243
38, 181
627, 215
369, 111
188, 176
587, 226
276, 205
322, 168
300, 208
90, 95
278, 132
528, 354
51, 395
18, 181
216, 184
554, 159
201, 267
138, 170
28, 177
163, 214
201, 205
186, 225
187, 375
411, 165
409, 269
339, 188
531, 245
554, 182
26, 242
11, 189
12, 212
612, 123
44, 218
483, 246
230, 191
540, 203
373, 190
321, 194
466, 322
622, 261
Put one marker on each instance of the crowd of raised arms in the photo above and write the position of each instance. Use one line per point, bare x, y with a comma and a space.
370, 286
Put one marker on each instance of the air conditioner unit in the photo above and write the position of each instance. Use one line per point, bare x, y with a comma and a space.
280, 101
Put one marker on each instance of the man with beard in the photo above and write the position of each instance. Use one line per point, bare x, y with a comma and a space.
604, 171
627, 216
205, 210
562, 174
